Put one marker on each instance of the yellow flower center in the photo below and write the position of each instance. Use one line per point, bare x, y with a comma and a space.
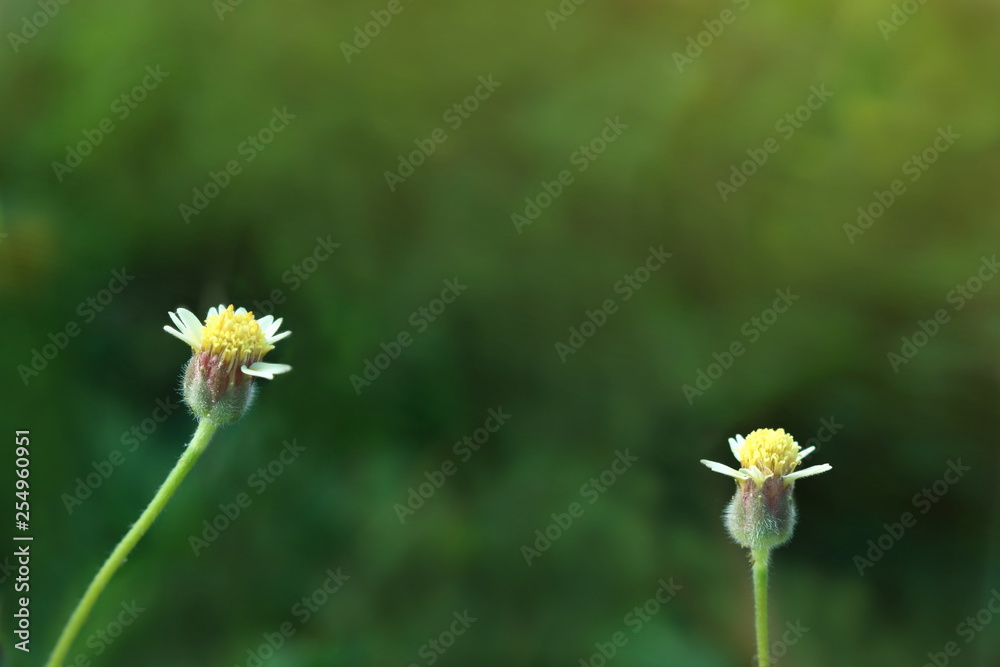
771, 451
234, 338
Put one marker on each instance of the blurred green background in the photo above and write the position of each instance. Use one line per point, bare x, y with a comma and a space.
322, 177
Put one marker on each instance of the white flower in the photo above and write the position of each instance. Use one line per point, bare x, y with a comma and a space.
230, 337
766, 453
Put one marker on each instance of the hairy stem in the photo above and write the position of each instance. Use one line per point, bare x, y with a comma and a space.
760, 557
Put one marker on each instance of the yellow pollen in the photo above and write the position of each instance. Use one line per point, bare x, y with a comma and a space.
234, 338
771, 451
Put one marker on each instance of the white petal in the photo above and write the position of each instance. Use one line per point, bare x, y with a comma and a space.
273, 339
273, 327
192, 323
805, 452
263, 369
756, 474
177, 321
241, 310
736, 444
807, 472
265, 322
724, 469
186, 339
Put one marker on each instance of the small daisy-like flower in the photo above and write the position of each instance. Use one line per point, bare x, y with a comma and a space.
762, 513
226, 355
768, 453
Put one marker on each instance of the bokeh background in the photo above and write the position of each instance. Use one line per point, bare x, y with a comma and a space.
323, 177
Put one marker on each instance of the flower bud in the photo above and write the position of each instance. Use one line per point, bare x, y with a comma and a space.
226, 357
214, 393
762, 513
761, 517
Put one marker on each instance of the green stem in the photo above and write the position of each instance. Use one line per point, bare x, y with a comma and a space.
194, 449
760, 557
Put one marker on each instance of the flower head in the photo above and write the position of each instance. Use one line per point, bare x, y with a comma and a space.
762, 513
767, 453
226, 355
